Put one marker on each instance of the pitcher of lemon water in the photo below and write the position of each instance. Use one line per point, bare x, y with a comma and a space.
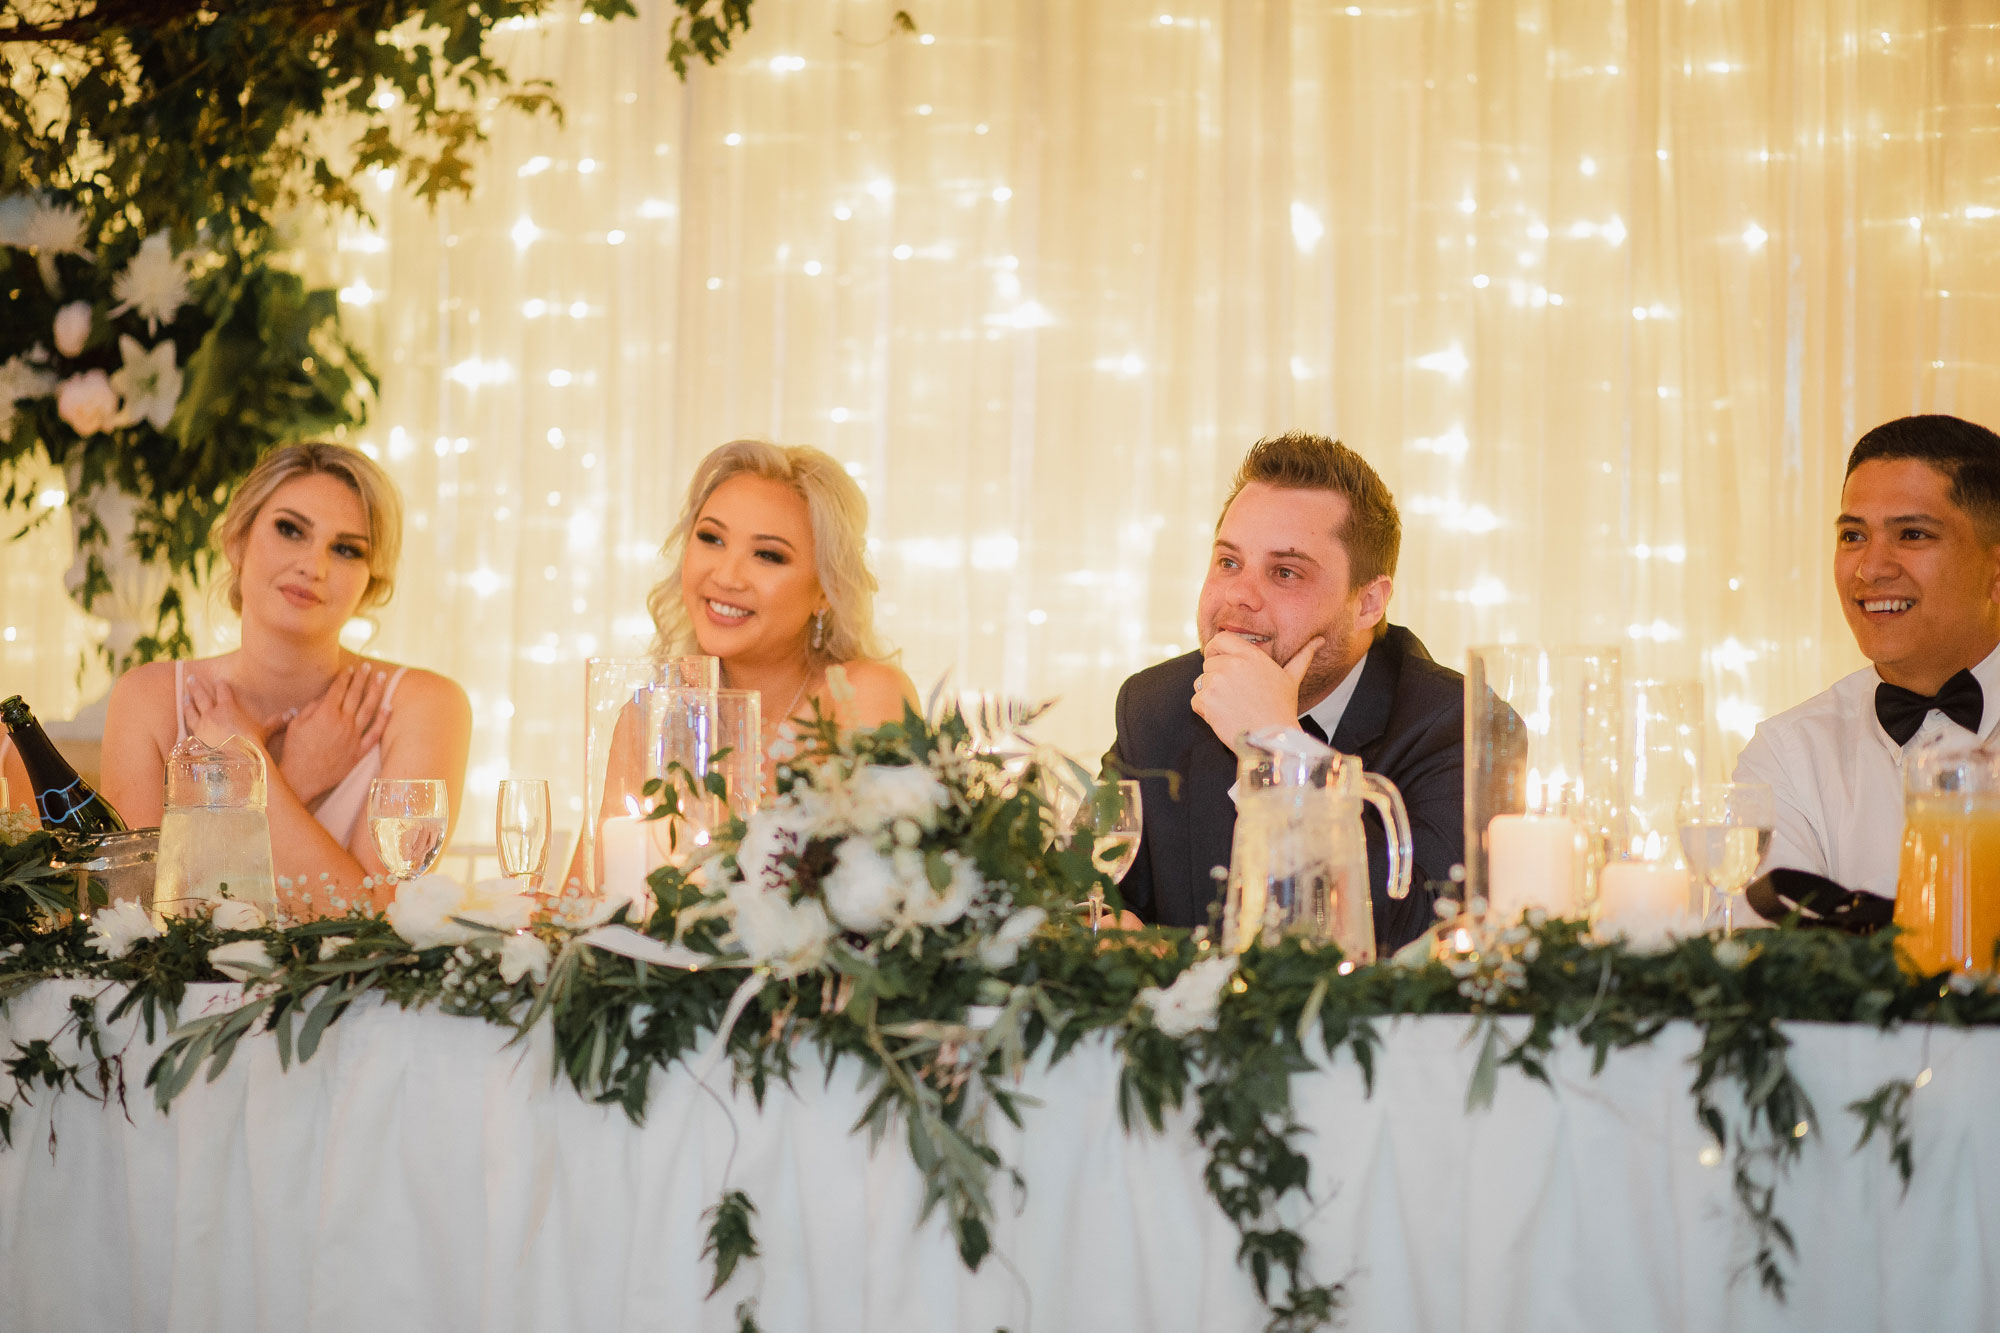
1299, 864
1948, 883
214, 836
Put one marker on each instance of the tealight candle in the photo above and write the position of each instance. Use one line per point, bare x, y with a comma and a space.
1645, 901
1530, 862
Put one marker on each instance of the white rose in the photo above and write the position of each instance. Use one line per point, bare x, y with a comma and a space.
791, 937
863, 890
235, 914
87, 402
882, 794
72, 327
1000, 952
1190, 1003
928, 907
115, 929
424, 908
521, 954
239, 960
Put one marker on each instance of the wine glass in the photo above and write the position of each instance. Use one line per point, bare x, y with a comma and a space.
1725, 830
521, 828
1113, 824
407, 819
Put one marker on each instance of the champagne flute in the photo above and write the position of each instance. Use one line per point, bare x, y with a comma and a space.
1114, 824
1725, 830
521, 829
407, 819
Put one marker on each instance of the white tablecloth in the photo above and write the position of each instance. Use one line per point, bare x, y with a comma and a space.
416, 1175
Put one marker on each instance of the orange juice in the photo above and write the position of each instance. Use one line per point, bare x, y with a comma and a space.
1948, 885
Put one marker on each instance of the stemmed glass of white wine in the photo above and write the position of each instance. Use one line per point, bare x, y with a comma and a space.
1113, 826
407, 819
1725, 830
521, 829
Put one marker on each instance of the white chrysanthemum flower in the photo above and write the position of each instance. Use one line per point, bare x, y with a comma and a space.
115, 929
20, 380
149, 382
154, 283
36, 223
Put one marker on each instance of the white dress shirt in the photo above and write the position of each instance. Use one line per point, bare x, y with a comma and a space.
1328, 711
1839, 778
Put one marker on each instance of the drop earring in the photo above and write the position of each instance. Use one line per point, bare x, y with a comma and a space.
819, 630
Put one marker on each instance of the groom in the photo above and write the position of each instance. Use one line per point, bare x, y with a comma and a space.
1294, 634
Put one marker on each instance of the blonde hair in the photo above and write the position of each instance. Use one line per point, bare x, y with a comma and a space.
839, 516
381, 505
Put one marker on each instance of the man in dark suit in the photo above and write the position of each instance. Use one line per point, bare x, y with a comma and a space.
1294, 633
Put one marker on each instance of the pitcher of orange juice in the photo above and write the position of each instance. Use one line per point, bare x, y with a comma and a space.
1948, 883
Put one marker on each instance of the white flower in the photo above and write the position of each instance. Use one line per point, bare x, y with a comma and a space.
154, 283
239, 960
1732, 952
524, 953
1000, 952
20, 380
88, 402
332, 945
72, 327
863, 890
149, 382
881, 794
424, 908
928, 907
1190, 1003
235, 914
115, 929
770, 836
32, 222
790, 937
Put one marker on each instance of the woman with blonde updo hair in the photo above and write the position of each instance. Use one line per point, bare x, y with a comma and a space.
771, 575
311, 538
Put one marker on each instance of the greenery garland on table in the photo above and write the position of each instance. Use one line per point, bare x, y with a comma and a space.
904, 903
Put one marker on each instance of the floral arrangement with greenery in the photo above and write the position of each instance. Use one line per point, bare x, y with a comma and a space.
907, 902
161, 368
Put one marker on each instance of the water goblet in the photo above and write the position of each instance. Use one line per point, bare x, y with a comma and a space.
407, 819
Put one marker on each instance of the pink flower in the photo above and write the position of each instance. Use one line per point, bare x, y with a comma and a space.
87, 402
72, 327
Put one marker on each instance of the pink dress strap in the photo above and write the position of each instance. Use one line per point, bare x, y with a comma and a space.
342, 810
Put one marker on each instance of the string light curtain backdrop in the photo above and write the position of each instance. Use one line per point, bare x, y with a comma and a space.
1604, 290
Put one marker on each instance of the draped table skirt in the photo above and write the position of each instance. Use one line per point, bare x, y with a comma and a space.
418, 1173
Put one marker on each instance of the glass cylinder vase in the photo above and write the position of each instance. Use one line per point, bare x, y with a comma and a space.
618, 751
1542, 789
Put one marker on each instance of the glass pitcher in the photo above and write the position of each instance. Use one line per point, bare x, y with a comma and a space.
213, 833
1948, 882
1299, 864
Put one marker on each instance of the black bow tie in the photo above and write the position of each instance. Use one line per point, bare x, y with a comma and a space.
1312, 728
1902, 711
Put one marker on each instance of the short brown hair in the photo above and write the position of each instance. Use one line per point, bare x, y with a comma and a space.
1300, 461
380, 503
1967, 454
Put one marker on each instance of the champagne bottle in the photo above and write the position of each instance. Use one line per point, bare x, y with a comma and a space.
66, 802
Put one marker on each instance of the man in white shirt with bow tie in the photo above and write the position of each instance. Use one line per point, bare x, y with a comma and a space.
1917, 569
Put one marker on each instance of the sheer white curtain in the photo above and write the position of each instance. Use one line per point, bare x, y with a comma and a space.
1604, 290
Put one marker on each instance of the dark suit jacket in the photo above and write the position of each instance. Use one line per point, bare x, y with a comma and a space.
1406, 721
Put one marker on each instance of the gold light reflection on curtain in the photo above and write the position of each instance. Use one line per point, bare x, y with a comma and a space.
1604, 291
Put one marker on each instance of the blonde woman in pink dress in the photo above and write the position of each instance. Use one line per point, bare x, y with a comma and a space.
311, 538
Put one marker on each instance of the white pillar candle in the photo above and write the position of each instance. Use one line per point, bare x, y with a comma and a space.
1530, 862
1645, 901
629, 856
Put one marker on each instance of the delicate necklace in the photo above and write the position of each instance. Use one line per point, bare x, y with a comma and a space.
784, 720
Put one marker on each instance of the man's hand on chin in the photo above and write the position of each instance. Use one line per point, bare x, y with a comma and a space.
1240, 689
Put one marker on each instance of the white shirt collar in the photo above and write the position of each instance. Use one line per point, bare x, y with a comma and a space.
1328, 711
